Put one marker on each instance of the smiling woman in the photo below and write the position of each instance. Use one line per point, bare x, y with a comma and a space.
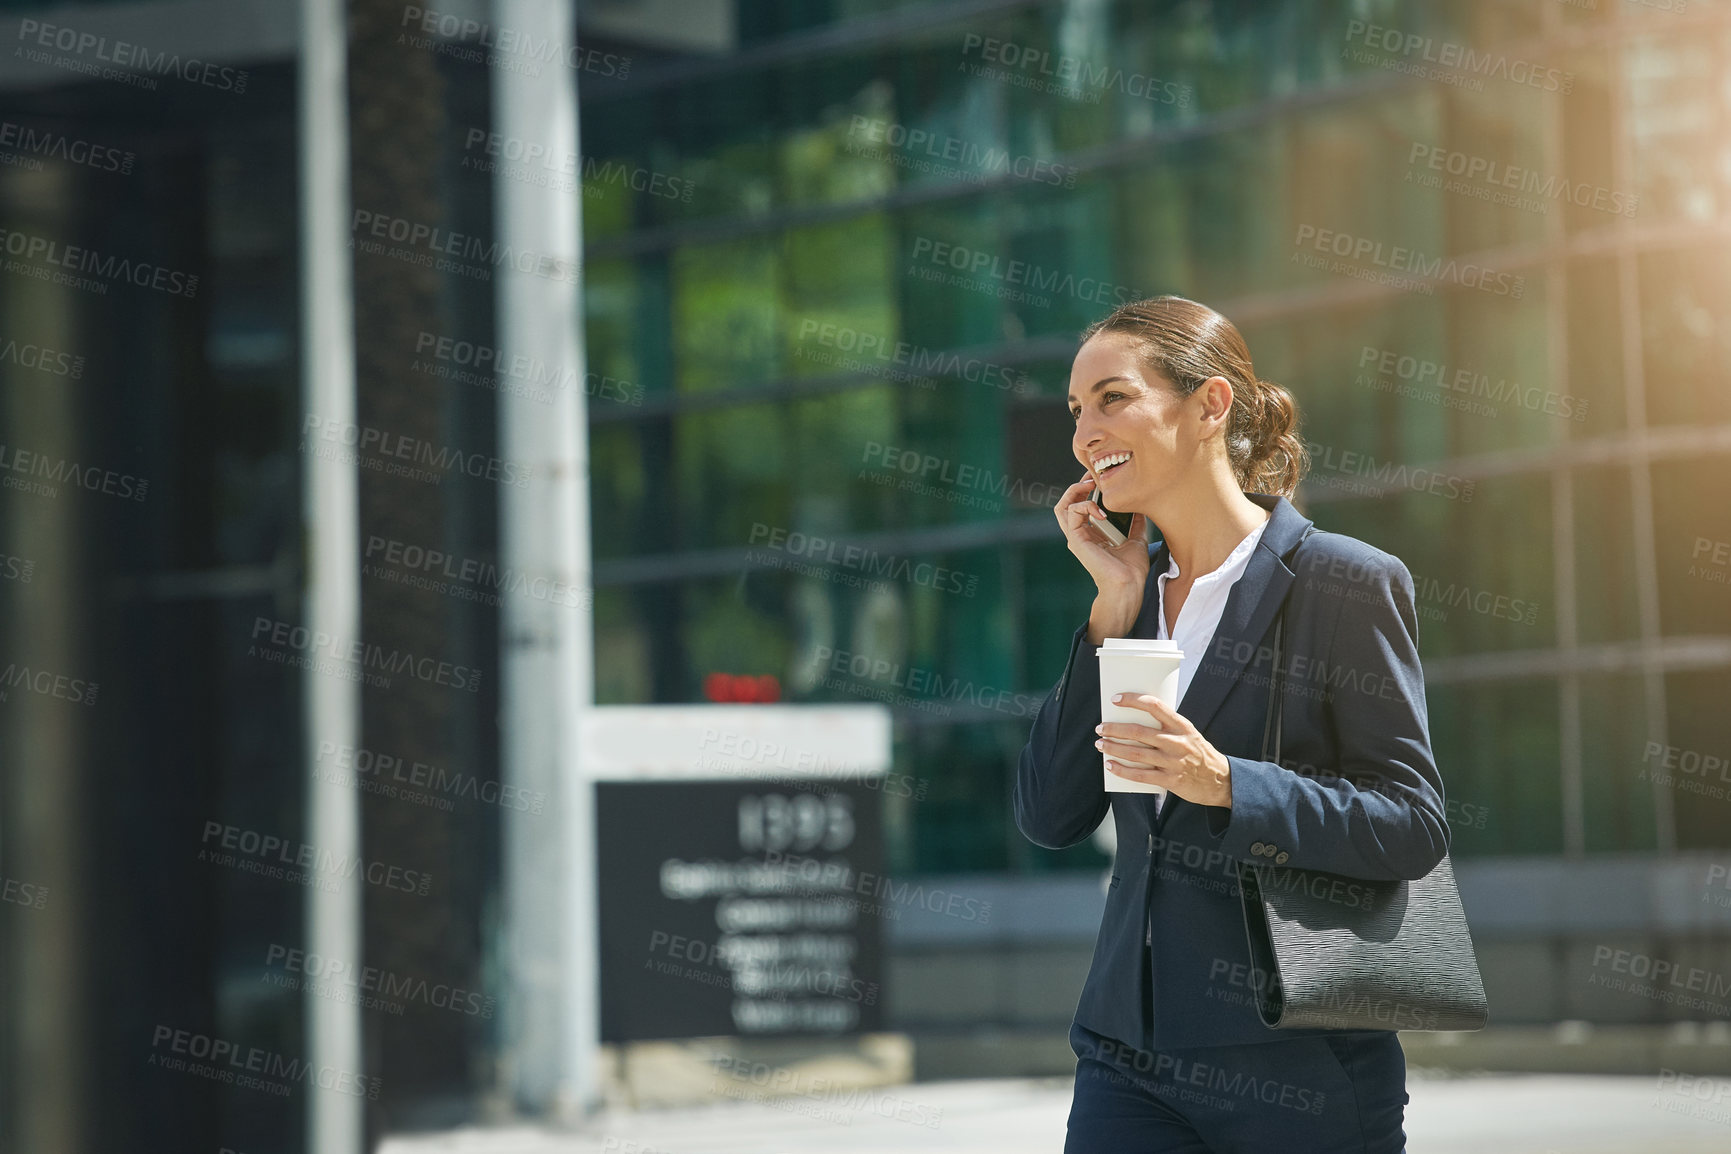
1173, 425
1189, 344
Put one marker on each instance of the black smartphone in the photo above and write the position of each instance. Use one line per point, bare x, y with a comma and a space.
1116, 527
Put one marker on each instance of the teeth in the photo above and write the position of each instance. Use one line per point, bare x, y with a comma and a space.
1109, 460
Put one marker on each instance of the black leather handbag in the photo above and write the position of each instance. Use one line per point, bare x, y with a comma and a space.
1345, 953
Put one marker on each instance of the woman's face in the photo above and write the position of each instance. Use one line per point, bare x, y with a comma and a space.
1126, 414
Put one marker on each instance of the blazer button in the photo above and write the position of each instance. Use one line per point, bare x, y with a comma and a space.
1256, 848
1280, 858
1269, 850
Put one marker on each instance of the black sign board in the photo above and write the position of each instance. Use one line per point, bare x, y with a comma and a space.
739, 908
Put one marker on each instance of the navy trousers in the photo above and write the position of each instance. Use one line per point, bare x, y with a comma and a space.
1338, 1093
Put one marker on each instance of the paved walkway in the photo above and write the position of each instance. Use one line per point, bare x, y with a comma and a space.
1504, 1114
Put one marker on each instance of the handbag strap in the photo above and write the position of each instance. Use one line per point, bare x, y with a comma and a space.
1271, 723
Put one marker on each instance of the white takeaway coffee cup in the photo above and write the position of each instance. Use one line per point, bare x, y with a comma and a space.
1135, 665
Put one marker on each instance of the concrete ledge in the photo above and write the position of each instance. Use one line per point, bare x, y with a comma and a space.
998, 909
696, 1071
993, 1054
1527, 897
1567, 1047
1576, 1048
1506, 898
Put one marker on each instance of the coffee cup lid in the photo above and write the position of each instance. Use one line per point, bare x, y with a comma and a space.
1137, 645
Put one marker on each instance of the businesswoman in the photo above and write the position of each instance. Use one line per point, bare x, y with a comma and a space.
1171, 423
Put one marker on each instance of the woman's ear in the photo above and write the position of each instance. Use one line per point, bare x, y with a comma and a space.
1217, 399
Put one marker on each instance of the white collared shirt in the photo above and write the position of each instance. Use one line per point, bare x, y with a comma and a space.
1199, 616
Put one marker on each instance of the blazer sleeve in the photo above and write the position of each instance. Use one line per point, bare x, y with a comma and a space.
1060, 795
1380, 815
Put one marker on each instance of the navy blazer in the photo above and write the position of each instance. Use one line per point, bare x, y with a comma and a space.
1356, 792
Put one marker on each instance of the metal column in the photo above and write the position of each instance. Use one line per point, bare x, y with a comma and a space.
552, 1010
331, 530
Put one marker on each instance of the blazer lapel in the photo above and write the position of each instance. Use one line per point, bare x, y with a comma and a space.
1250, 608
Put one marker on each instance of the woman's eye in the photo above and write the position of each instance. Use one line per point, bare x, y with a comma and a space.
1105, 399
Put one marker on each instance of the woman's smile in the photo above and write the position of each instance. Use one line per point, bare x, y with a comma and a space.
1110, 464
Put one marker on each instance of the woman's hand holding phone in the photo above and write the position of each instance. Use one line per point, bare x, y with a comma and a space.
1120, 572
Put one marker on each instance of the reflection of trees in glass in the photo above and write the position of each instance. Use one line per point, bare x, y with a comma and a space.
818, 166
834, 435
1496, 745
737, 179
726, 633
841, 275
612, 314
732, 473
622, 523
622, 657
607, 207
812, 631
724, 315
962, 820
880, 627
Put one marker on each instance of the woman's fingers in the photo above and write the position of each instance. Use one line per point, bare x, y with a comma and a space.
1120, 572
1076, 507
1165, 717
1125, 731
1137, 754
1148, 775
1122, 751
1081, 491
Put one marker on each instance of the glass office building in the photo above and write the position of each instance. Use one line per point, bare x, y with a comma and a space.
1483, 244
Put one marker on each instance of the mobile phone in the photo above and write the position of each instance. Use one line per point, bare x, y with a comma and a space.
1116, 527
